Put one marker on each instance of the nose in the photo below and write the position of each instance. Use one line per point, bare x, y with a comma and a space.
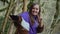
34, 9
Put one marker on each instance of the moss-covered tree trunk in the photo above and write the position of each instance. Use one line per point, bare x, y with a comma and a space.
24, 5
56, 23
48, 8
11, 26
9, 9
50, 14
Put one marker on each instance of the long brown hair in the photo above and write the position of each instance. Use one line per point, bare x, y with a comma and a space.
31, 16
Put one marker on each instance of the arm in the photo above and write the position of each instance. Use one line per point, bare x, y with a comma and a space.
40, 27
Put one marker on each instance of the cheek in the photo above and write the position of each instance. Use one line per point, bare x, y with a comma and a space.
35, 12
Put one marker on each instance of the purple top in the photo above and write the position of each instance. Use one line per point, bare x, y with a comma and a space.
32, 29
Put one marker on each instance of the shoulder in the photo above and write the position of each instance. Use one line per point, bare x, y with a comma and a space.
25, 16
25, 20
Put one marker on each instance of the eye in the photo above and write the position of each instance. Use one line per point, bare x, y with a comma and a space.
33, 8
37, 9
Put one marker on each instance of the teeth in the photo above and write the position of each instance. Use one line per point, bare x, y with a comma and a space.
34, 12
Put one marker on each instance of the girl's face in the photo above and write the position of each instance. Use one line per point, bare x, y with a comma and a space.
35, 10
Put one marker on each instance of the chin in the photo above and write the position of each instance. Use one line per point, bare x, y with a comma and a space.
34, 14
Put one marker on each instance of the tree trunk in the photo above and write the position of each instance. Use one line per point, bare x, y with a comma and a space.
24, 5
11, 26
11, 29
10, 7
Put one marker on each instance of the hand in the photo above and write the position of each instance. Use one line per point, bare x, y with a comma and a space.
41, 22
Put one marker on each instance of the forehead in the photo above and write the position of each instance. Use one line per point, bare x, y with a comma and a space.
36, 6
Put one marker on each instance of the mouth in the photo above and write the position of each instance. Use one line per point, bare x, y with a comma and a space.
34, 12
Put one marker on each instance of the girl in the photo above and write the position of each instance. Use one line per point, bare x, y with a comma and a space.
29, 22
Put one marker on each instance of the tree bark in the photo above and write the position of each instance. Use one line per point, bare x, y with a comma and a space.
24, 5
9, 9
